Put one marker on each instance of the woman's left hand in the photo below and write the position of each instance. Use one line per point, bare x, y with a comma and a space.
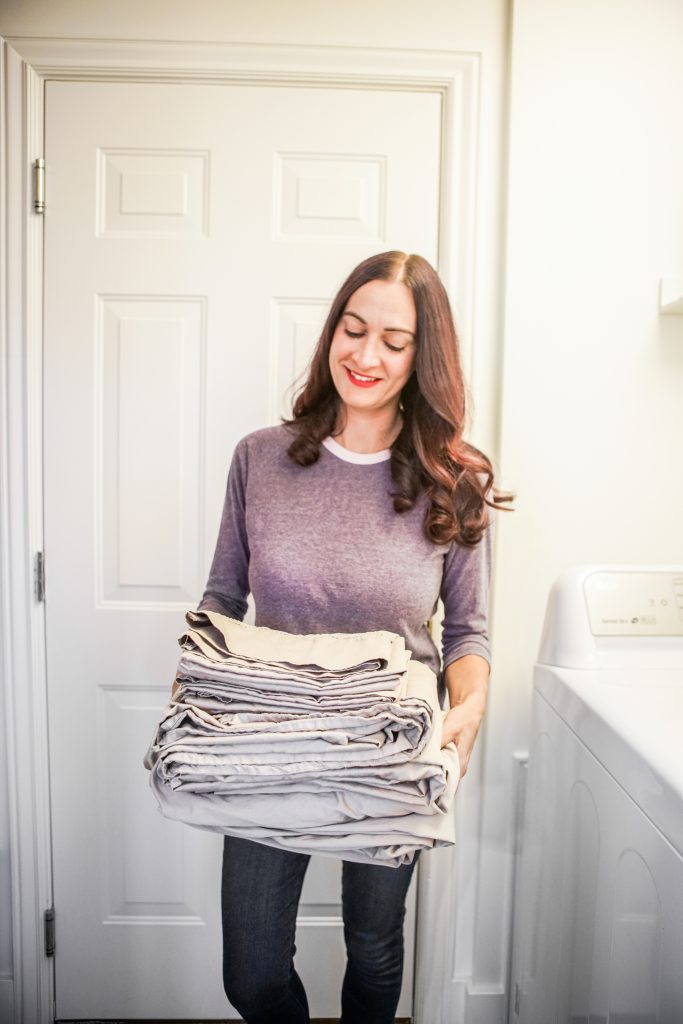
461, 725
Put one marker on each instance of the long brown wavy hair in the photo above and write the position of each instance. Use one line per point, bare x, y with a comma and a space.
430, 453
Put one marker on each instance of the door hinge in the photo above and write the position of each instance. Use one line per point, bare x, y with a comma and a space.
39, 576
49, 917
39, 186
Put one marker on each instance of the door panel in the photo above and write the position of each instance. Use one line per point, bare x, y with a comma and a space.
194, 236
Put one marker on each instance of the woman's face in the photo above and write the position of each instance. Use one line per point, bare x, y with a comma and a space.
372, 354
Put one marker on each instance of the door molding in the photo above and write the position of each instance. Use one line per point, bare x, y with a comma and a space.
26, 64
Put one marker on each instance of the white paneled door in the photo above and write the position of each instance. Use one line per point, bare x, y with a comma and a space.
194, 237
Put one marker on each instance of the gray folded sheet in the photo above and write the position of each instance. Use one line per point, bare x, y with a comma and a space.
323, 744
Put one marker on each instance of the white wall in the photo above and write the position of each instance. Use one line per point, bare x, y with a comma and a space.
592, 404
353, 23
590, 374
592, 412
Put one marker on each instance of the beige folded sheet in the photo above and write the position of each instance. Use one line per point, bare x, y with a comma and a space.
320, 764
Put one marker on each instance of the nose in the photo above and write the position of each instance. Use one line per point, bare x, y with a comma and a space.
366, 355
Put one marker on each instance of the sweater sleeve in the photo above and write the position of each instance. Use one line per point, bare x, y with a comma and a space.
464, 592
228, 584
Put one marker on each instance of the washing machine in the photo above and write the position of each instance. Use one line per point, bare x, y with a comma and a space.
598, 909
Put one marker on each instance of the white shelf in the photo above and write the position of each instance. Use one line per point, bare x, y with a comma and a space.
671, 295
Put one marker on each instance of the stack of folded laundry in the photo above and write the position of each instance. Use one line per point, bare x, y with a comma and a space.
323, 743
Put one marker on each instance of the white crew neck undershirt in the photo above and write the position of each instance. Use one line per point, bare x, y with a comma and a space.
359, 458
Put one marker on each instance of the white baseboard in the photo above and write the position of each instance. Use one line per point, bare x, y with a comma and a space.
7, 999
478, 1004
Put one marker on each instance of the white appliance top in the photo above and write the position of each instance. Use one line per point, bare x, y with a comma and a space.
611, 665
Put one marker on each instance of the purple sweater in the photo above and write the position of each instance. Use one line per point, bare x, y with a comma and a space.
323, 551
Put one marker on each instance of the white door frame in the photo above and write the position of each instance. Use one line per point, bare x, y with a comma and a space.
25, 66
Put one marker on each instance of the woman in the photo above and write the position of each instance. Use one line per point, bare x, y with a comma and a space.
356, 515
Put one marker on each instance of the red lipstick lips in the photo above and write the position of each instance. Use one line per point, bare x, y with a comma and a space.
360, 383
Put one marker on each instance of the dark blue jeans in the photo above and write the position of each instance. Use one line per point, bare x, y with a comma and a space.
260, 894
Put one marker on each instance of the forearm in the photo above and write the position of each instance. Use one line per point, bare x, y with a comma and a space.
466, 680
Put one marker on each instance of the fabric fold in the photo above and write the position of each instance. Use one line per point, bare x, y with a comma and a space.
322, 743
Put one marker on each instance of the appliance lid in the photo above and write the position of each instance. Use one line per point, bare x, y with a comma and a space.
631, 721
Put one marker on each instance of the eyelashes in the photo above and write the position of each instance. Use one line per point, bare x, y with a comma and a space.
392, 348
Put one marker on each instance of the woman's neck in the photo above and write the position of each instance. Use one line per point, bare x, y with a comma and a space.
365, 433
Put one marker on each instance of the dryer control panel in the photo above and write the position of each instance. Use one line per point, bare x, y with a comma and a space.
605, 615
623, 603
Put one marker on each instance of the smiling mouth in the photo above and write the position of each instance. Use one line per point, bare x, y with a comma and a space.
360, 380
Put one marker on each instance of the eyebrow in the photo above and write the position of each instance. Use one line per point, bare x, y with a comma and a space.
400, 330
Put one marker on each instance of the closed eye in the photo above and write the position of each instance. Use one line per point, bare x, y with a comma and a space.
353, 334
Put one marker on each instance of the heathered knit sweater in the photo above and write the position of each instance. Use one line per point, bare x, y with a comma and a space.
322, 550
